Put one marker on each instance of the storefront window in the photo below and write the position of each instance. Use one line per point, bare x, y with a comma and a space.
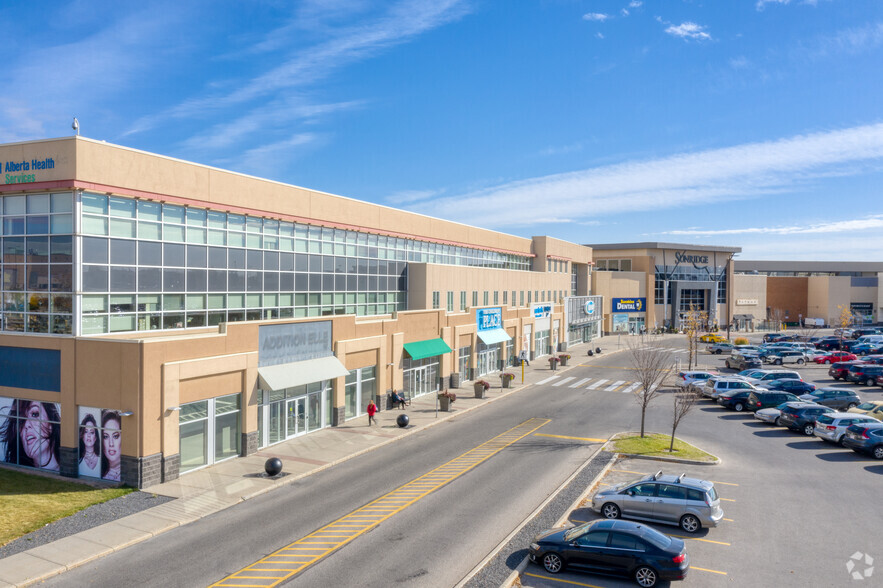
193, 434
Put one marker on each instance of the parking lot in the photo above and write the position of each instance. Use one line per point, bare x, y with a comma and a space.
797, 509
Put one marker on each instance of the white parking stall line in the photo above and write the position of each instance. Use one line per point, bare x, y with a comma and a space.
579, 383
614, 385
596, 384
547, 380
564, 381
631, 388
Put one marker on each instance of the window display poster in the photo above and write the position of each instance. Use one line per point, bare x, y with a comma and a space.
30, 433
100, 438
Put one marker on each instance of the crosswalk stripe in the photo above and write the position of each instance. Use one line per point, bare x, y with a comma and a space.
547, 380
598, 383
614, 385
631, 388
580, 383
564, 381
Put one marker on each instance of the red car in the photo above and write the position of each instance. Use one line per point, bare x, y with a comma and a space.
836, 356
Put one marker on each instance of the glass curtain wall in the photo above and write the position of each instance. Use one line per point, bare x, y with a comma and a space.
488, 358
147, 266
421, 376
287, 413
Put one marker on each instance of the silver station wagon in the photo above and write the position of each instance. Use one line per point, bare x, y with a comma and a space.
677, 500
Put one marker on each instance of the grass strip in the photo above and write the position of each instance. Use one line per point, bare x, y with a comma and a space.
656, 445
30, 501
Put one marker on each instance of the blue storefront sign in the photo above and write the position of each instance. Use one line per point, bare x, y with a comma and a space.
489, 318
628, 304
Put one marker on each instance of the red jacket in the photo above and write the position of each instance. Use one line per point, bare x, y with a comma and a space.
372, 408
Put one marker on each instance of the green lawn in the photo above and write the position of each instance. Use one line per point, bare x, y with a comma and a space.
657, 445
30, 501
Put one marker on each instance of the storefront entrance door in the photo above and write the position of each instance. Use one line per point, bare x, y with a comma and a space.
296, 410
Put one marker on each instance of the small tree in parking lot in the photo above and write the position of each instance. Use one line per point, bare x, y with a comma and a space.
652, 363
844, 320
684, 401
693, 321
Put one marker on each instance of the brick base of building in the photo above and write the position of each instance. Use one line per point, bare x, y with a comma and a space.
249, 443
69, 464
171, 467
140, 472
337, 416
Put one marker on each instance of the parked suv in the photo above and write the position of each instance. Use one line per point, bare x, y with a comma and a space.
865, 438
832, 426
864, 373
677, 500
770, 375
716, 386
694, 376
767, 399
840, 369
833, 397
742, 361
720, 347
787, 356
802, 418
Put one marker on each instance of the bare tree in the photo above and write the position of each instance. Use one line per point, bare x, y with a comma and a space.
683, 403
693, 322
652, 362
776, 317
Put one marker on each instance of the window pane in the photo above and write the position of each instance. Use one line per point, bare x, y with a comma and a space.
94, 278
60, 249
173, 214
61, 223
63, 202
38, 225
91, 203
149, 210
122, 252
149, 231
122, 207
150, 279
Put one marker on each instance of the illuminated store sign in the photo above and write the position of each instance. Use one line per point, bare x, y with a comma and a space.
16, 171
489, 318
629, 304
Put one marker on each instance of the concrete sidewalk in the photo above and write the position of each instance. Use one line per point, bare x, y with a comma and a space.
212, 489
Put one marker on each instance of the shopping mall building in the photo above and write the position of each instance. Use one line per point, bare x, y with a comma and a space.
159, 316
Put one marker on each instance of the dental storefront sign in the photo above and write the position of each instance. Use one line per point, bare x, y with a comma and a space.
489, 318
628, 304
541, 313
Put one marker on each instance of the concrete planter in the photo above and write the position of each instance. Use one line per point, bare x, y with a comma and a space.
444, 404
455, 379
480, 391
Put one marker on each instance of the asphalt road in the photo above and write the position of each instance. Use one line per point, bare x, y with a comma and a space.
792, 509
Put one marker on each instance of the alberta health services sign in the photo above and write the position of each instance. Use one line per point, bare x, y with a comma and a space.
629, 304
24, 172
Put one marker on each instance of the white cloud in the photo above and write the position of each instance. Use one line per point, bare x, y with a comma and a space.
411, 196
599, 35
874, 221
740, 62
625, 11
853, 40
761, 4
596, 16
689, 30
635, 4
740, 172
266, 160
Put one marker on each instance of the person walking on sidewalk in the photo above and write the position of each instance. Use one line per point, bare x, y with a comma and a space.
523, 357
372, 408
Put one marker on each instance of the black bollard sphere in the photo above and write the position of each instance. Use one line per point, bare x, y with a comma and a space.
402, 420
273, 467
591, 353
597, 350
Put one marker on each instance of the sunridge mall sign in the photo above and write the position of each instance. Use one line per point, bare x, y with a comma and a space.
15, 172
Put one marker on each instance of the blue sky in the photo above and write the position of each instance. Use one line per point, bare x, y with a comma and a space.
754, 123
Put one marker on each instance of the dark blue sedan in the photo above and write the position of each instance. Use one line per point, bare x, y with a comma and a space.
792, 386
614, 547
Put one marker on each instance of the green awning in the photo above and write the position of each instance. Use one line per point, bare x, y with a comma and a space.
428, 348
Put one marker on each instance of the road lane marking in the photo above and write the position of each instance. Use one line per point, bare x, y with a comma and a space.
728, 499
564, 381
614, 385
589, 439
598, 383
631, 388
320, 545
547, 380
710, 571
580, 383
729, 520
700, 539
571, 582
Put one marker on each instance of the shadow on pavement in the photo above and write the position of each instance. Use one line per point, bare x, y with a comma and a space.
774, 433
756, 424
877, 469
845, 455
735, 417
809, 444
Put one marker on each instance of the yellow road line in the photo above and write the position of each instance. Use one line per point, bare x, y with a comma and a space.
711, 571
728, 499
559, 580
589, 439
396, 501
700, 539
729, 520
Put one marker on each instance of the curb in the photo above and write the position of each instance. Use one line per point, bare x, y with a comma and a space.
717, 460
516, 573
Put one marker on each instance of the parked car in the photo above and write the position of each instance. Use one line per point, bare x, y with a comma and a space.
742, 361
814, 354
772, 414
770, 375
770, 337
716, 386
746, 349
793, 386
802, 418
618, 547
734, 399
751, 373
873, 408
689, 377
835, 356
860, 332
829, 344
834, 398
784, 356
840, 369
865, 438
864, 373
719, 347
843, 332
689, 503
867, 348
767, 399
712, 338
832, 426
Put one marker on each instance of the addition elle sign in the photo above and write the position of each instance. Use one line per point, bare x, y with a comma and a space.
292, 342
